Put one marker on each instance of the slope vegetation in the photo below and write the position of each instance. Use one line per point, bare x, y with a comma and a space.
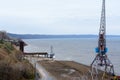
12, 65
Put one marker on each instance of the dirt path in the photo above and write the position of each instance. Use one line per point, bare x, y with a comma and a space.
44, 75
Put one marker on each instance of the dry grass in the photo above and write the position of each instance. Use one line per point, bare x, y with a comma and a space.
12, 66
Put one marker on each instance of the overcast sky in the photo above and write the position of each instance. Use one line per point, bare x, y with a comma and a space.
58, 16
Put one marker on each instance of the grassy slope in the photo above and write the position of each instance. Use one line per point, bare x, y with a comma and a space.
12, 66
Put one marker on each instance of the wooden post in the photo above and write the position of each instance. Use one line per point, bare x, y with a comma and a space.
21, 46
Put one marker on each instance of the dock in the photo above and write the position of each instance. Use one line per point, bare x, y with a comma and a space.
36, 54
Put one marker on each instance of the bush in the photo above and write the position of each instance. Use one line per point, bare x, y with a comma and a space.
1, 41
8, 47
12, 66
18, 71
7, 72
28, 71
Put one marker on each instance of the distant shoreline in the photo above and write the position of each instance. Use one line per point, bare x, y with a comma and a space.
37, 36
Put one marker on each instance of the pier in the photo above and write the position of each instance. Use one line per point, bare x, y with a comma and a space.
36, 54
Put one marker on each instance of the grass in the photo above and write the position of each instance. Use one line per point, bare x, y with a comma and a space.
12, 66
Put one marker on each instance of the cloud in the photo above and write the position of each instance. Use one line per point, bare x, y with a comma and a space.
57, 16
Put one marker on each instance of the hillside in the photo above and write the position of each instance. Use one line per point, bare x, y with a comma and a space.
3, 35
12, 65
38, 36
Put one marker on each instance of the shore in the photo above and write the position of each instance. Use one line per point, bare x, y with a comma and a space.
50, 69
67, 70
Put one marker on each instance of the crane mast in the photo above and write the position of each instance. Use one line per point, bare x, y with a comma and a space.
101, 61
102, 32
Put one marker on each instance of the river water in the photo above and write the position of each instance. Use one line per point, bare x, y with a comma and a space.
81, 50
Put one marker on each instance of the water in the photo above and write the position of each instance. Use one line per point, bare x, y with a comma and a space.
76, 49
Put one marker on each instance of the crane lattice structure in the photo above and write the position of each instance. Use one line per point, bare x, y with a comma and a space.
101, 61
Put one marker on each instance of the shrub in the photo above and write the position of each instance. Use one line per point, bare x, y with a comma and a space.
1, 41
7, 72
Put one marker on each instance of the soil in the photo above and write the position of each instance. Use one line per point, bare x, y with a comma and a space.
67, 70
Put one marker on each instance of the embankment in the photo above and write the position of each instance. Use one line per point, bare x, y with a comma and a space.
12, 64
68, 70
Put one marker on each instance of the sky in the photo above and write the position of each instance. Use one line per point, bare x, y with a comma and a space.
58, 16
